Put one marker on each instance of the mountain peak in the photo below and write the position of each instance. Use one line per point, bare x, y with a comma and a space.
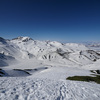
23, 39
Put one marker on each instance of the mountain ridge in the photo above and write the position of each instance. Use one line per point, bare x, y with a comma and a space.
47, 51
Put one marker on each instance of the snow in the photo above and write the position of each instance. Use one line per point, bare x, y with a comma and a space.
37, 70
45, 89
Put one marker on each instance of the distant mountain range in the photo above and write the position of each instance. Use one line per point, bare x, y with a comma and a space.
19, 48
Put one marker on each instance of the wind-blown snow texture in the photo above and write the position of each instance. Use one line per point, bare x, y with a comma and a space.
37, 70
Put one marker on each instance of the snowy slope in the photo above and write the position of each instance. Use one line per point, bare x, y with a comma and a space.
23, 49
49, 84
53, 51
93, 46
37, 70
47, 52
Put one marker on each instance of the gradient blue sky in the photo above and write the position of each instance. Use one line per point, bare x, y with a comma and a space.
61, 20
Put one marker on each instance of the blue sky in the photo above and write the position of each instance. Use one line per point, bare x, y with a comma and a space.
61, 20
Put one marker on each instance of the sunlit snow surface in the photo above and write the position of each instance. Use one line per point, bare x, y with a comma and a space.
37, 70
47, 89
49, 84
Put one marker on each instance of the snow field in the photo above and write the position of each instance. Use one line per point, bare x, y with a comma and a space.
37, 70
47, 89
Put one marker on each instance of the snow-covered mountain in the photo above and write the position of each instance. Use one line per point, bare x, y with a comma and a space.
37, 70
49, 52
93, 45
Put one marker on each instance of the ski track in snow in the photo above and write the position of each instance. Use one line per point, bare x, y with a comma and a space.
47, 89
